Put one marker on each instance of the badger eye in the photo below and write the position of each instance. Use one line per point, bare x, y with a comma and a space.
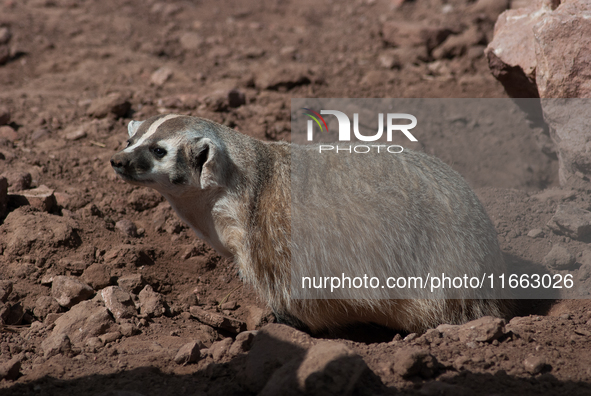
159, 152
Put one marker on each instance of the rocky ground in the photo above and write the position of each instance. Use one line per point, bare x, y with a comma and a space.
104, 291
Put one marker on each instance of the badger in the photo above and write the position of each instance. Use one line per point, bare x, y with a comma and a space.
241, 196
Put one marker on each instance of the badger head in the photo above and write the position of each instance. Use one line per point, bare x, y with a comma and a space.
172, 154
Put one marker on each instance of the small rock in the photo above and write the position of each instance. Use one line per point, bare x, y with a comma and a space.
160, 76
128, 329
191, 41
457, 45
10, 370
151, 303
431, 335
535, 233
485, 329
410, 362
115, 103
559, 258
94, 343
242, 343
257, 317
51, 318
44, 306
97, 275
133, 283
70, 291
230, 305
534, 364
127, 227
5, 290
19, 181
572, 221
5, 35
218, 321
8, 133
389, 61
411, 34
460, 362
41, 198
77, 134
4, 115
411, 337
55, 345
220, 349
110, 337
118, 302
189, 353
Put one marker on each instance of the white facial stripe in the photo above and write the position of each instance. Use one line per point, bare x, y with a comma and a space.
152, 130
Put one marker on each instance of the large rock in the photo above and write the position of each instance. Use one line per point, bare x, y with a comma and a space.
511, 54
559, 258
151, 302
328, 368
485, 329
563, 51
84, 320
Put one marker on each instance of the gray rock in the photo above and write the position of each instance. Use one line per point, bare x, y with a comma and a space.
118, 302
534, 364
572, 221
559, 258
189, 353
535, 233
151, 302
485, 329
133, 283
44, 306
70, 291
56, 344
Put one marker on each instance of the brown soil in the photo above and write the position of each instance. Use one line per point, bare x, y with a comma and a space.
66, 53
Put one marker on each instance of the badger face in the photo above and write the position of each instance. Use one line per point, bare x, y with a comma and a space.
166, 153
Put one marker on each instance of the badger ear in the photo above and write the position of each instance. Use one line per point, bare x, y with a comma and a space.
207, 160
133, 126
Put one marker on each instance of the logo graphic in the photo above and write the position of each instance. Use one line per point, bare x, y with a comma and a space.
314, 116
345, 125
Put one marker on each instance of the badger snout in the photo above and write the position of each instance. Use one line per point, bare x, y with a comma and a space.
120, 162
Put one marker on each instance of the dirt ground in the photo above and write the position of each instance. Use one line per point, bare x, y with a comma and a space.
240, 63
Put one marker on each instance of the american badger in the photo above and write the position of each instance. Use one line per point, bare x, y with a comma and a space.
236, 193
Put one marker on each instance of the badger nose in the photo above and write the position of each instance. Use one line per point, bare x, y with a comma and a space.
119, 162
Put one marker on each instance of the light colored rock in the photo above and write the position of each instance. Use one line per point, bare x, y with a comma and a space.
6, 131
41, 198
485, 329
534, 364
151, 302
535, 233
242, 343
110, 337
572, 221
44, 306
118, 302
559, 258
132, 283
191, 41
160, 76
56, 344
127, 227
219, 349
70, 291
